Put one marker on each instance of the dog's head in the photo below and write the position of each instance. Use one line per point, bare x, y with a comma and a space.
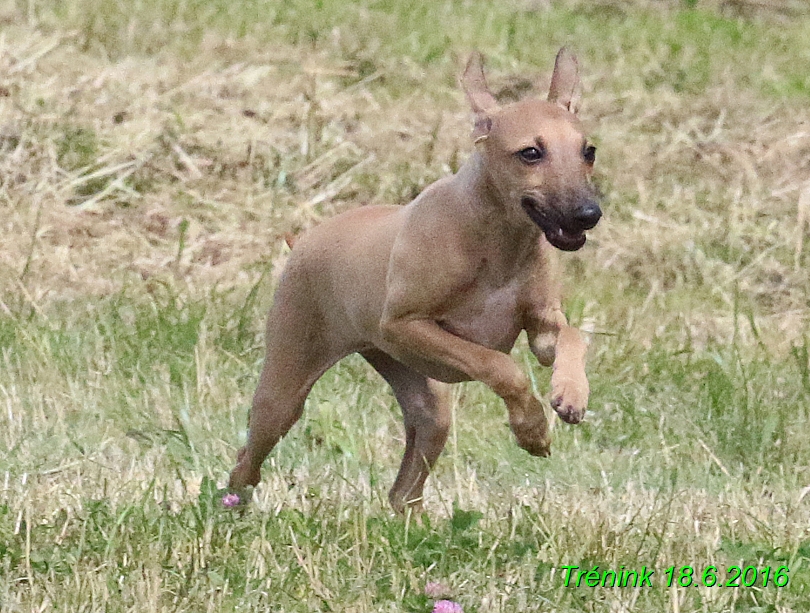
536, 153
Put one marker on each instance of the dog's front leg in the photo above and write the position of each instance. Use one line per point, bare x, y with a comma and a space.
557, 344
425, 340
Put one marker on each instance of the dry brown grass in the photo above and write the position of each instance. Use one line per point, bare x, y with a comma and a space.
106, 163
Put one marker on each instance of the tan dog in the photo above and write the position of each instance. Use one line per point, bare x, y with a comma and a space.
439, 290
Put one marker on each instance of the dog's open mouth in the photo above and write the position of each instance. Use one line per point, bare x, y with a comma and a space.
561, 238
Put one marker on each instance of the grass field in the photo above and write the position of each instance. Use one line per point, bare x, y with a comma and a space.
153, 153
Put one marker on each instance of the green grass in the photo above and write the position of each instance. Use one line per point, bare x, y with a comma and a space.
122, 420
152, 154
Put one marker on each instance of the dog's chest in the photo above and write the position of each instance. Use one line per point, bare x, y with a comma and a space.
488, 316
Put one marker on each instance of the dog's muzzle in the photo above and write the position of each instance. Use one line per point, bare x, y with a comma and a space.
563, 231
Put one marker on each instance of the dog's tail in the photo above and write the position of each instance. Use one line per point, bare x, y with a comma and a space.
290, 239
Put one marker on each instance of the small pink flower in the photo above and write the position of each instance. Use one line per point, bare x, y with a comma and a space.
434, 589
231, 500
447, 606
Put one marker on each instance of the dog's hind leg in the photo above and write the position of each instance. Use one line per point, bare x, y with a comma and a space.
298, 353
426, 412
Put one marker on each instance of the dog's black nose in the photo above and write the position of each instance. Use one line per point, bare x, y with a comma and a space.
588, 215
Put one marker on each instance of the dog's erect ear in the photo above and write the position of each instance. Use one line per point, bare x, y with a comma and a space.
564, 88
482, 101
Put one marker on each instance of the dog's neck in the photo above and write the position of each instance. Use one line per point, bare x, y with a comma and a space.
503, 220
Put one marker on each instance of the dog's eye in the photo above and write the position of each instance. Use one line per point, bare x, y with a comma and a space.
589, 153
531, 155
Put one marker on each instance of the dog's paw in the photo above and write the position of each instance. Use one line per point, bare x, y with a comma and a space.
532, 435
406, 506
569, 396
539, 449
